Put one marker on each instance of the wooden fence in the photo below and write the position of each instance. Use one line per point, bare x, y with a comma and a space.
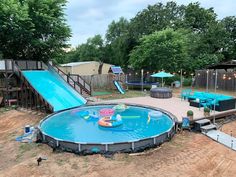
102, 81
226, 80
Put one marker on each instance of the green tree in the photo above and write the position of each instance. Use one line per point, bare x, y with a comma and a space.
117, 42
197, 18
91, 50
166, 49
32, 29
229, 49
208, 36
155, 18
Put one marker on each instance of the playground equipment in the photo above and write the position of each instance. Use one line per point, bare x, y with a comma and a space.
117, 71
42, 87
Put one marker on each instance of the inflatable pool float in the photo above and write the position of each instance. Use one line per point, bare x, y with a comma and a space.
120, 107
106, 112
155, 114
94, 116
84, 114
110, 121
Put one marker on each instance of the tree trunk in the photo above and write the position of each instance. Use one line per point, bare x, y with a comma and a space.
100, 67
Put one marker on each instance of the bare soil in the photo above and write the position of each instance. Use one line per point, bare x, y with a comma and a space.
187, 154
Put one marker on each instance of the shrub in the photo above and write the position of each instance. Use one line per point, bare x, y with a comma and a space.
190, 113
206, 109
187, 82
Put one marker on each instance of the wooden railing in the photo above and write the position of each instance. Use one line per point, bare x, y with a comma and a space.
40, 98
6, 65
30, 65
78, 79
77, 82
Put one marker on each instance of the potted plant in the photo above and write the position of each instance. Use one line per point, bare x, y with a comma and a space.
206, 111
190, 114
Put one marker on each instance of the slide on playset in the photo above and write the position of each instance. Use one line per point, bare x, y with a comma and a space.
54, 89
119, 87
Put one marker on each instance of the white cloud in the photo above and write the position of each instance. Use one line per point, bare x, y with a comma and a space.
90, 17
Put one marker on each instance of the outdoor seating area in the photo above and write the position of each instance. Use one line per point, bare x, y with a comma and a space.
218, 102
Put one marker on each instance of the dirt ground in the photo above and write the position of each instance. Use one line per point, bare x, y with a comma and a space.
187, 154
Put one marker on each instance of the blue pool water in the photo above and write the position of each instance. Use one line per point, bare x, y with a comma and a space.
71, 126
54, 89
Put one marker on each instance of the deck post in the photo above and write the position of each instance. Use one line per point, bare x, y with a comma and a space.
6, 83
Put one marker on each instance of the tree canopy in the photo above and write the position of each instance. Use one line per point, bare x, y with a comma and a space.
166, 49
167, 36
32, 29
162, 36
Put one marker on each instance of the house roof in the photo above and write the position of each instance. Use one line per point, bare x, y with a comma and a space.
77, 63
226, 65
81, 63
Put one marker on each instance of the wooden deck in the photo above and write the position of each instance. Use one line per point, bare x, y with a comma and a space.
174, 105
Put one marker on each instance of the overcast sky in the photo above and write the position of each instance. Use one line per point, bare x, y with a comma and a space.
89, 17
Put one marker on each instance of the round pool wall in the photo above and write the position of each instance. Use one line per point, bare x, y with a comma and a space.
72, 130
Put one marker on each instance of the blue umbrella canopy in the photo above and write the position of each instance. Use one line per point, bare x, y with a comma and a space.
162, 74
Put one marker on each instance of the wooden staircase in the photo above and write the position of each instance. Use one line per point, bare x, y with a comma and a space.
27, 96
75, 81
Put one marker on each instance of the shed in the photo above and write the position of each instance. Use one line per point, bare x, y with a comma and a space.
85, 68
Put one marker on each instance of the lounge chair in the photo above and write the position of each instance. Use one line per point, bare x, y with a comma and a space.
185, 123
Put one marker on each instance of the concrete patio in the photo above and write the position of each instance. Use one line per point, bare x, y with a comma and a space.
174, 105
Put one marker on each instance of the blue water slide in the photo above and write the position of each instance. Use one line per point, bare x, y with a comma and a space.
54, 89
119, 87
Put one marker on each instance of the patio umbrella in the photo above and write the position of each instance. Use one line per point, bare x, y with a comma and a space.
161, 75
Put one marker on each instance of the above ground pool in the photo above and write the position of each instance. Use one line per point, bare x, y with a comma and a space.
79, 129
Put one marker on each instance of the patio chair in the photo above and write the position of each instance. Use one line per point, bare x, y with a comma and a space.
185, 94
185, 123
205, 103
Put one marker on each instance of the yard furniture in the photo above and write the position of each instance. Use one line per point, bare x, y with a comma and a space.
218, 102
162, 75
185, 94
161, 92
185, 123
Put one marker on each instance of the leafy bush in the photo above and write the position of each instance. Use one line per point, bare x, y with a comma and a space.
169, 80
187, 82
206, 109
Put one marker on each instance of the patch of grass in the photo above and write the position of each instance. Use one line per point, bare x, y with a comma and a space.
34, 154
175, 144
25, 147
75, 166
60, 162
7, 108
101, 93
127, 158
86, 161
128, 94
13, 134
